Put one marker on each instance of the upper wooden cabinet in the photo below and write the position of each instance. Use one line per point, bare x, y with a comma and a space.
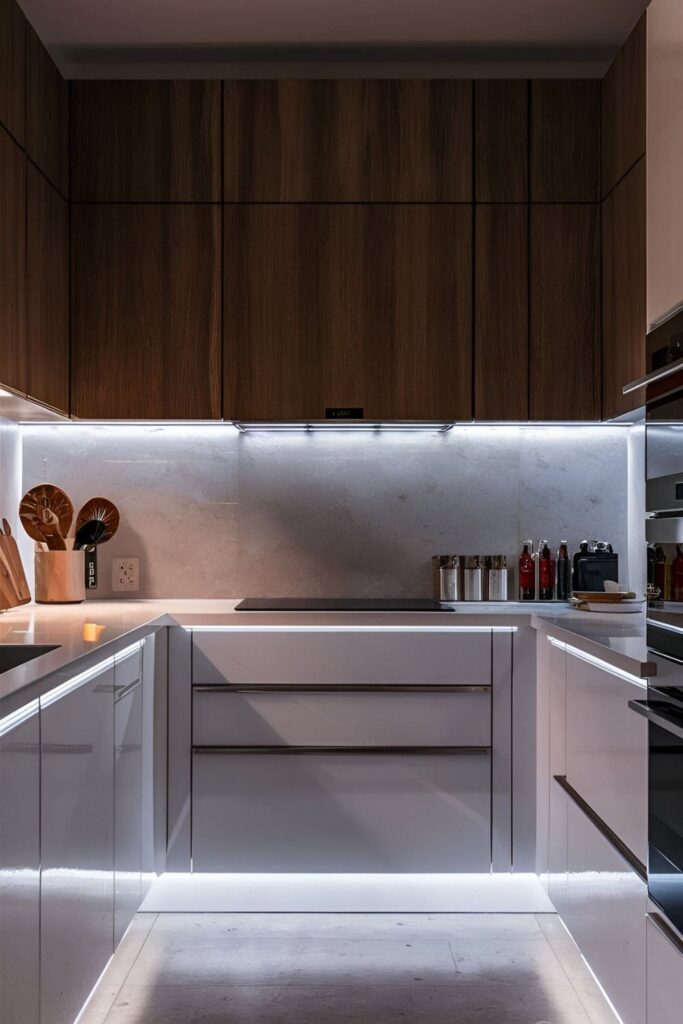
47, 114
501, 312
501, 132
565, 141
13, 69
565, 312
146, 141
12, 264
47, 287
623, 109
365, 306
348, 141
624, 321
146, 301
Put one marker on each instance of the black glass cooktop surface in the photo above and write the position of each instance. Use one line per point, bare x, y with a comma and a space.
341, 604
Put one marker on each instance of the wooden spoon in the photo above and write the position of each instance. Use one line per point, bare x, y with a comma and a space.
49, 527
102, 510
45, 496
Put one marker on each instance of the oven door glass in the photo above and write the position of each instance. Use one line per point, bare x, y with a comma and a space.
665, 868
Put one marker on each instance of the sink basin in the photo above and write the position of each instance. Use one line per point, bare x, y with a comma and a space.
12, 655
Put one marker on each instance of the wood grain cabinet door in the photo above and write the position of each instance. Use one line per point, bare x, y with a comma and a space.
501, 312
365, 306
13, 69
348, 141
146, 311
47, 114
565, 141
624, 319
501, 132
12, 264
623, 109
47, 287
565, 312
146, 141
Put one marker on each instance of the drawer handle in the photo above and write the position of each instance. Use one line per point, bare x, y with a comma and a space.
668, 932
341, 688
338, 750
603, 828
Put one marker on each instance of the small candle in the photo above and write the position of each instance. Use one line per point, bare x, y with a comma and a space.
92, 632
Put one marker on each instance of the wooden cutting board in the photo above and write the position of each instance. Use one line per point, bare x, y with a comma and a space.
10, 559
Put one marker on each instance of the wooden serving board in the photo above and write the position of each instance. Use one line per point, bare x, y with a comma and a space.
15, 588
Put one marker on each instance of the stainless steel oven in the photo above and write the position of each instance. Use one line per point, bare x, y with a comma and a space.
664, 711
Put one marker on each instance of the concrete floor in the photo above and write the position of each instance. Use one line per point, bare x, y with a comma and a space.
356, 968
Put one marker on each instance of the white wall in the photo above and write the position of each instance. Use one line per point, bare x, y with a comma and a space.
215, 513
10, 473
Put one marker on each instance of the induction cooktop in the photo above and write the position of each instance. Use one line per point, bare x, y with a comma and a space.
341, 604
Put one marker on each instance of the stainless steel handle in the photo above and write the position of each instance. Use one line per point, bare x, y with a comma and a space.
342, 688
652, 378
603, 828
668, 932
338, 750
122, 691
670, 723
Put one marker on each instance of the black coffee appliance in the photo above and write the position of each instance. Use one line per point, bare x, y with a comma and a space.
593, 564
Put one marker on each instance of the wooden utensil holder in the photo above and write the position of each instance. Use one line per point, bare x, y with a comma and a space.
60, 577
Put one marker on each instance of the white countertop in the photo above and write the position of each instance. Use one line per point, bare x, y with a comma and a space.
617, 639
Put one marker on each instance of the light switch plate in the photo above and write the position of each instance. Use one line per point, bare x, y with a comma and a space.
125, 574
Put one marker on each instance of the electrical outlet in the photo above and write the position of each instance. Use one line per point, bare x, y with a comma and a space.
125, 574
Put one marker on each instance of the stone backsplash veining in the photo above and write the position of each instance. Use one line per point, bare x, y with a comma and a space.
212, 512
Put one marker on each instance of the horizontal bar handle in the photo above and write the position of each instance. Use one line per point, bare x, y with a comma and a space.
341, 688
652, 378
602, 827
666, 930
122, 691
670, 722
338, 750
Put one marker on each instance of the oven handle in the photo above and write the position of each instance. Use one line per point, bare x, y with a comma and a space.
671, 723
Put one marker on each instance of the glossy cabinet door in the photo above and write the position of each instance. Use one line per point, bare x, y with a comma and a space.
127, 807
664, 156
664, 972
607, 748
77, 817
20, 866
358, 811
605, 913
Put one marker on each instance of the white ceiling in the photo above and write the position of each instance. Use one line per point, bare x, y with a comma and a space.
84, 33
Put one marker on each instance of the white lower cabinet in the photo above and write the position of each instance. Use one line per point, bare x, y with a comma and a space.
127, 808
606, 904
664, 972
341, 812
20, 866
77, 842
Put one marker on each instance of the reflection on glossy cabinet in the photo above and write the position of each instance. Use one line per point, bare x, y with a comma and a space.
146, 141
77, 843
20, 868
146, 304
12, 264
565, 312
348, 141
12, 68
624, 319
127, 808
47, 114
47, 286
605, 913
348, 306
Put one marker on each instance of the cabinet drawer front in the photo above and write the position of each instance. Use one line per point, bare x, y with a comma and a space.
341, 719
664, 972
320, 657
127, 667
605, 912
356, 812
607, 749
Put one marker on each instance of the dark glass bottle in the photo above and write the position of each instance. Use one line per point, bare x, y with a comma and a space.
527, 574
677, 575
546, 573
564, 575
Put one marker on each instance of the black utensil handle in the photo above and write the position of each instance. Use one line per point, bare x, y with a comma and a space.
91, 568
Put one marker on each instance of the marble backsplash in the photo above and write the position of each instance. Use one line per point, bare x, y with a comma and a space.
10, 473
211, 512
